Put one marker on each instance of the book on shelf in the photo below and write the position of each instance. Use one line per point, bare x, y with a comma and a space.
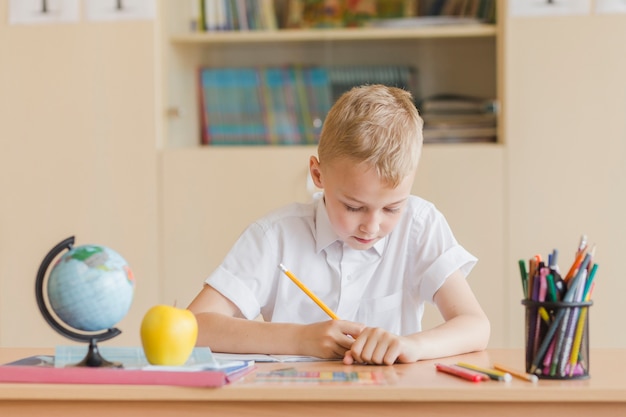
261, 106
443, 120
343, 78
319, 14
277, 96
221, 15
484, 10
457, 103
460, 134
283, 105
422, 21
296, 101
201, 370
231, 106
458, 118
442, 12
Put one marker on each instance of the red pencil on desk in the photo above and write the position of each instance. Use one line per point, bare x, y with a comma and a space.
461, 372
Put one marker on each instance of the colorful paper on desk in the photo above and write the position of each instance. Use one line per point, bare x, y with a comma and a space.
291, 375
201, 370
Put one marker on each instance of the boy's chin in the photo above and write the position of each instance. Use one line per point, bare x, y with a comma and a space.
359, 244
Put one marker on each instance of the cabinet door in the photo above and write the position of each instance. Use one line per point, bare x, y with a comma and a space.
467, 184
210, 195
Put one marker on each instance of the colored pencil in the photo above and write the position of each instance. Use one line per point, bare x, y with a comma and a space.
461, 372
491, 373
518, 374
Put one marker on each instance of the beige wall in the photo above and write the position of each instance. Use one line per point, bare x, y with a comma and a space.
566, 153
77, 157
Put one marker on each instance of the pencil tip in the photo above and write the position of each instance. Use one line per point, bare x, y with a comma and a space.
282, 267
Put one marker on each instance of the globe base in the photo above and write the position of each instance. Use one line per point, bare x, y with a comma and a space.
95, 360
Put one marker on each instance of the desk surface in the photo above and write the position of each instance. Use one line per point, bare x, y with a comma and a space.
408, 388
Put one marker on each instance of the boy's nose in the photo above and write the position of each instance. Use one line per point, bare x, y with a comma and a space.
370, 226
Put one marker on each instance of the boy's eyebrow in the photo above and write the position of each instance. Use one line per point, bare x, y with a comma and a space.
355, 200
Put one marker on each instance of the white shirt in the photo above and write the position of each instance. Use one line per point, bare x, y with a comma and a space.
385, 286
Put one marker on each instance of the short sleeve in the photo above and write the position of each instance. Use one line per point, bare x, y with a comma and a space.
244, 276
437, 252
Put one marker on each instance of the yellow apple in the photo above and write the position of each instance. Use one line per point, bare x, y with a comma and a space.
168, 335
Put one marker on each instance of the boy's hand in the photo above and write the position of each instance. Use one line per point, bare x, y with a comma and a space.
328, 339
377, 346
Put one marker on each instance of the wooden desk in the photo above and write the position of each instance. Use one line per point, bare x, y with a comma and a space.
415, 389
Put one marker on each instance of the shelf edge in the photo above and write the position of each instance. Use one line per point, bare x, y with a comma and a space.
334, 35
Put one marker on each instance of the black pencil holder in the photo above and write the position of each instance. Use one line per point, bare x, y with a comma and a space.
557, 339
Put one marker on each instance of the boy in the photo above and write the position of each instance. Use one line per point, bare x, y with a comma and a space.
366, 247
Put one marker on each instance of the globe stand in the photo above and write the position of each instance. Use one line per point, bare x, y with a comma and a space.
93, 357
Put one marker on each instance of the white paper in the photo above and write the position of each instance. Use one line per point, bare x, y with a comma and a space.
610, 6
257, 357
218, 365
43, 11
112, 10
548, 7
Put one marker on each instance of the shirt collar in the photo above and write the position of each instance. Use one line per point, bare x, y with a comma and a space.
326, 236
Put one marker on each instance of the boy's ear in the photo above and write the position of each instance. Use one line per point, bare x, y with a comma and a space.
315, 171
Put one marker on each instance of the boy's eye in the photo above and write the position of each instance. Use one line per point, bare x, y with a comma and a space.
350, 208
392, 209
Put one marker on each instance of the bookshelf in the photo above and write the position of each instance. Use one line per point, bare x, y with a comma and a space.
210, 193
460, 59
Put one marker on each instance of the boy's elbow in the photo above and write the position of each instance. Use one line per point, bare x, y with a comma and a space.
483, 333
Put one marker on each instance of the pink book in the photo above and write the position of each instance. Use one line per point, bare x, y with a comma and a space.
86, 375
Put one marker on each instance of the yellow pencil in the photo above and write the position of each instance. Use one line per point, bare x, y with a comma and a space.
491, 373
580, 326
578, 336
522, 375
308, 292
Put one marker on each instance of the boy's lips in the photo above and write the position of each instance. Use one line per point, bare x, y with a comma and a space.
363, 241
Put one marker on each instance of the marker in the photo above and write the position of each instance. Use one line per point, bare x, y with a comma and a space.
461, 372
589, 282
518, 374
308, 292
491, 373
524, 275
553, 293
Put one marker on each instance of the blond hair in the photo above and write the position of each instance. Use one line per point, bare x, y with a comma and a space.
377, 125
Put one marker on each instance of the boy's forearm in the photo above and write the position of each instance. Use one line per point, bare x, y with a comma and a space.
459, 335
237, 335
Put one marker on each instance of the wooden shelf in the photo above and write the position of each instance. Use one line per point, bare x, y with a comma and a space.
325, 35
460, 57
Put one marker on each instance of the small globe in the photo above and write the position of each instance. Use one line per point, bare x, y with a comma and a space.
90, 288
